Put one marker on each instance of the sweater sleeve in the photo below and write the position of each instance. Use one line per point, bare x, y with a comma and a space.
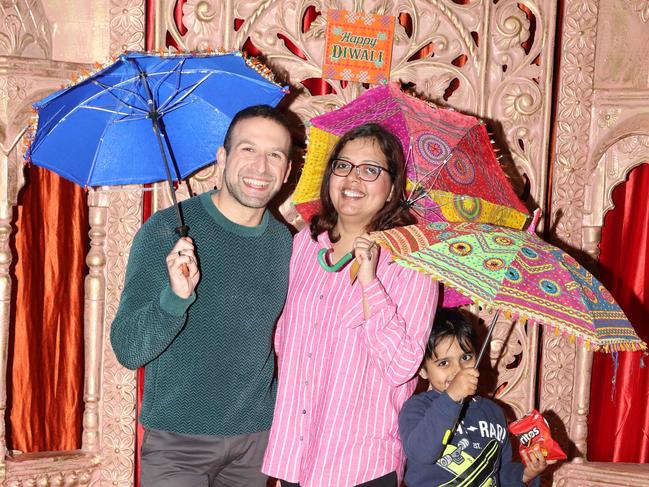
399, 323
423, 425
150, 314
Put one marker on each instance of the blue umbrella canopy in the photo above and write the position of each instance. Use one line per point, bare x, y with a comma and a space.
99, 131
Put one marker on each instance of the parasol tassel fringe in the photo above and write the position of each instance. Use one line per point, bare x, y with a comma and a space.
29, 136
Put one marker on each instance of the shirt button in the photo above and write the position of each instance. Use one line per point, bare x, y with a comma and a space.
301, 438
321, 296
304, 411
306, 382
308, 354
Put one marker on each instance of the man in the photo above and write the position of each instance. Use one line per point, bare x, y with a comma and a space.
201, 320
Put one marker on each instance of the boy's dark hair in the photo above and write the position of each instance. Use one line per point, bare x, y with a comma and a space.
450, 322
263, 111
394, 213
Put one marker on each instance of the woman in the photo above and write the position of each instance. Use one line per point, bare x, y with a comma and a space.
348, 353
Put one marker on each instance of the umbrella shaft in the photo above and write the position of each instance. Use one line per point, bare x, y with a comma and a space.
487, 339
182, 228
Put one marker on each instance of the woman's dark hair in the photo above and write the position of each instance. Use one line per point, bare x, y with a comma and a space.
394, 213
450, 322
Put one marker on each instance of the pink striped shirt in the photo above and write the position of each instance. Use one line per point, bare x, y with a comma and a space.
343, 379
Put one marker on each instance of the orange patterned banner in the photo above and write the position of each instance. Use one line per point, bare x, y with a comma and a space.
358, 47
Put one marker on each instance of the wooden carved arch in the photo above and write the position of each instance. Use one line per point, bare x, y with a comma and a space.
622, 152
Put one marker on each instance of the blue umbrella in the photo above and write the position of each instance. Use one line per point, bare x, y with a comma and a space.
123, 124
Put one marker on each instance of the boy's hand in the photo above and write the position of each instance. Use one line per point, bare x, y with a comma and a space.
535, 463
464, 384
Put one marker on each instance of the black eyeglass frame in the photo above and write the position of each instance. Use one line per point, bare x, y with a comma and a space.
358, 167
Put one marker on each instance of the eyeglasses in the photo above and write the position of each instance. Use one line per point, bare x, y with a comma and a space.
367, 172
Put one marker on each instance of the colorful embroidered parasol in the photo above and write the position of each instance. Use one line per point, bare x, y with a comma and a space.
453, 174
516, 272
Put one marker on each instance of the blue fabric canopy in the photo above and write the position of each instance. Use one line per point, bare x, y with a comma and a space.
100, 131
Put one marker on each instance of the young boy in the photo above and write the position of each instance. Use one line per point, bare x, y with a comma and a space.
450, 436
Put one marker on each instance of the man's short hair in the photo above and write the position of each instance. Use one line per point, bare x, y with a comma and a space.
263, 111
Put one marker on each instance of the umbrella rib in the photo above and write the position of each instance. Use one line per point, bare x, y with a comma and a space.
47, 129
132, 118
177, 69
103, 109
174, 107
193, 88
419, 186
109, 89
94, 158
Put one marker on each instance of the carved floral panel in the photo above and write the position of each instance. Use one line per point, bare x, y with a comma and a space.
25, 31
492, 59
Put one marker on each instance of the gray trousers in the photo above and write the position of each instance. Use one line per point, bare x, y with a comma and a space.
174, 460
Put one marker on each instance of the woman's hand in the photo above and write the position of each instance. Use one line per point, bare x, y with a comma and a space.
367, 255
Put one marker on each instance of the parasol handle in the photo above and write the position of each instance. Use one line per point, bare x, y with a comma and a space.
487, 338
335, 267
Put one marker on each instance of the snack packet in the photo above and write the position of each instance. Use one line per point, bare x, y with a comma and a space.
532, 430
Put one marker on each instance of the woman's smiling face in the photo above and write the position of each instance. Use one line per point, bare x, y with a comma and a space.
357, 201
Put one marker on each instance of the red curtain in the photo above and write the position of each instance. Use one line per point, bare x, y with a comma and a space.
618, 428
45, 363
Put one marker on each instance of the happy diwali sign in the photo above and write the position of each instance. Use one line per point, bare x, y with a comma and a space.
358, 47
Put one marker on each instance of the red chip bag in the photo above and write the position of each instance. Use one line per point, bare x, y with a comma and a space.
533, 430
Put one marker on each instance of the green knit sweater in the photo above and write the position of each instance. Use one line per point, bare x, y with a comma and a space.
208, 359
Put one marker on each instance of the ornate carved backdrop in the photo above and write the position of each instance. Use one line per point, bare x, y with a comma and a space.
484, 57
492, 59
488, 57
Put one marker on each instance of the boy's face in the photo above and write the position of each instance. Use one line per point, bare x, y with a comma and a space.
448, 360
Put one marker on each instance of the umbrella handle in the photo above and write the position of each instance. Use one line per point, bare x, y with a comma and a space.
182, 231
338, 265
